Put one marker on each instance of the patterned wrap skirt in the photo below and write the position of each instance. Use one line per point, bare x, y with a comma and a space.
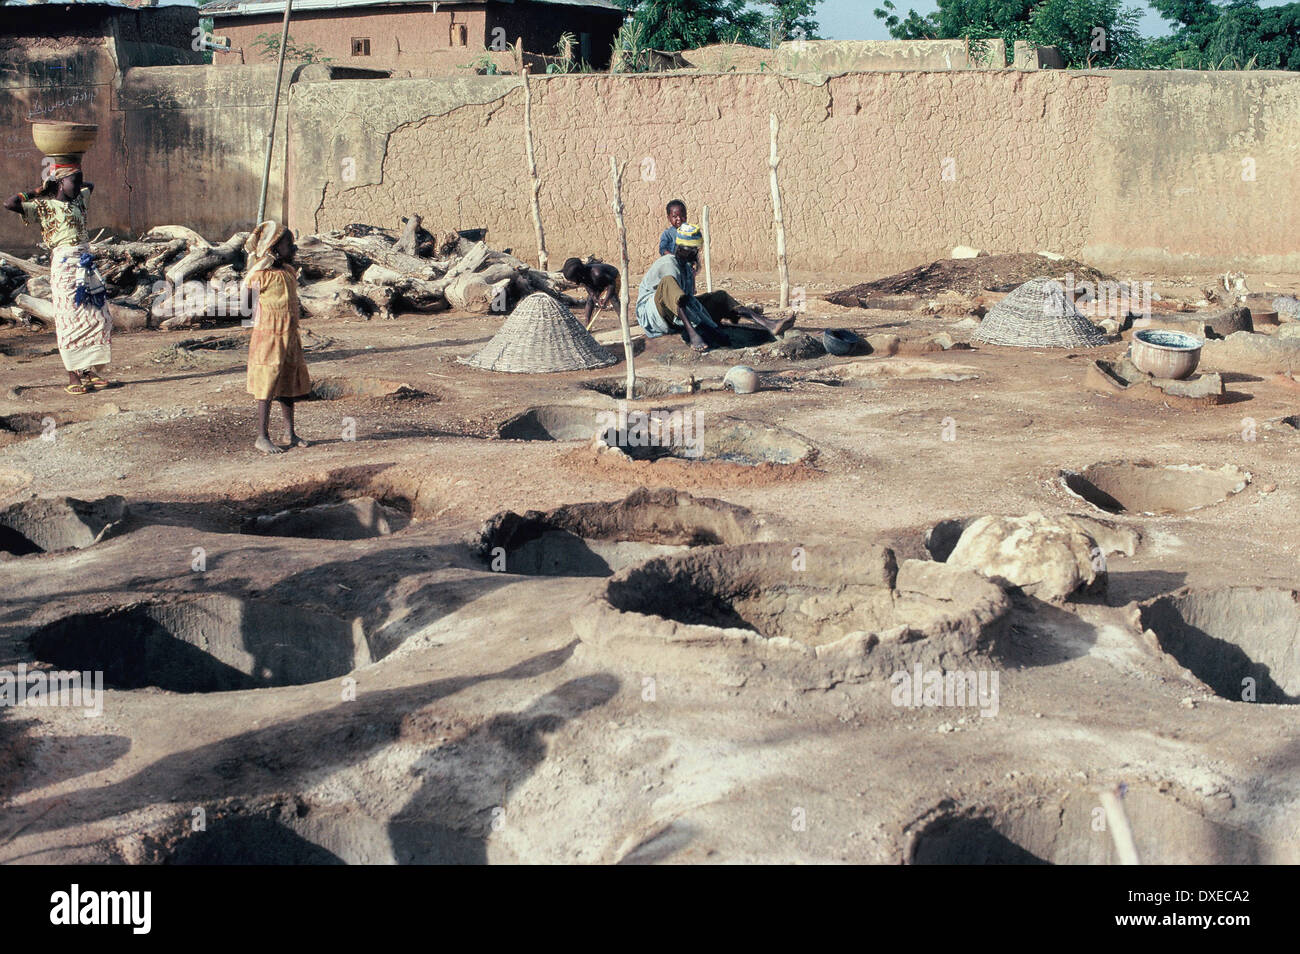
84, 331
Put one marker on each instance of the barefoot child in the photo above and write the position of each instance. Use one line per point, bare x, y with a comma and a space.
601, 281
276, 368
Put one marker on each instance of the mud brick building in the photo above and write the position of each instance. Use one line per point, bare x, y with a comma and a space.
418, 36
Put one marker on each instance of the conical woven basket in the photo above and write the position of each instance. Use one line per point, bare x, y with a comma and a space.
541, 336
1039, 315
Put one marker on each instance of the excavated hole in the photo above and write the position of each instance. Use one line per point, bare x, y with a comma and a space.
206, 644
1061, 829
291, 832
556, 422
356, 519
1141, 487
1233, 639
339, 388
47, 524
686, 435
645, 387
14, 543
1292, 421
598, 539
815, 596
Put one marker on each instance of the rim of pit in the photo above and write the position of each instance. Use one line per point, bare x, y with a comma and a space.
749, 612
1158, 489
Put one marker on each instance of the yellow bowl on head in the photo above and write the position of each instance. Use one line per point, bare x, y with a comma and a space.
64, 139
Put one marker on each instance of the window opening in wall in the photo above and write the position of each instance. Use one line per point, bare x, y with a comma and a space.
459, 34
361, 46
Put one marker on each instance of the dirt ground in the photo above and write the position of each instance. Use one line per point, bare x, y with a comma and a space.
470, 718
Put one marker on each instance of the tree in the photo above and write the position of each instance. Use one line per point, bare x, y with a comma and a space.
1237, 35
1088, 32
688, 24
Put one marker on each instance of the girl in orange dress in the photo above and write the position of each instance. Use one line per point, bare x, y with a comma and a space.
276, 367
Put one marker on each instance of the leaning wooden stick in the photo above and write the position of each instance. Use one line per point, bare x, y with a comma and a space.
708, 262
542, 258
772, 162
1120, 830
617, 174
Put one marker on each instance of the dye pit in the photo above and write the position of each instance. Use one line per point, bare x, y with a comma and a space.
598, 539
1243, 642
1142, 487
205, 644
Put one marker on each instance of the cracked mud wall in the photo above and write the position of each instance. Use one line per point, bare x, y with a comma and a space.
1130, 169
1127, 169
864, 180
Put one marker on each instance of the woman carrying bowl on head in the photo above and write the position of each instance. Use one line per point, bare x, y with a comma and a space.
82, 322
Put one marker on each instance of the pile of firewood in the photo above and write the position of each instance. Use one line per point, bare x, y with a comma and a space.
172, 277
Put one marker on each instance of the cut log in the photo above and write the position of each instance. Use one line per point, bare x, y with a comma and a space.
381, 275
419, 295
323, 261
166, 251
38, 307
333, 299
161, 233
379, 249
128, 316
201, 261
470, 262
31, 268
39, 287
410, 234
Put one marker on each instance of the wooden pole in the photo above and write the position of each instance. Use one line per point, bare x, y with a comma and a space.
275, 112
708, 262
1120, 829
542, 258
617, 175
783, 267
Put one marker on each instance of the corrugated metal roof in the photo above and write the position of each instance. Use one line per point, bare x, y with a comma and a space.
248, 8
124, 4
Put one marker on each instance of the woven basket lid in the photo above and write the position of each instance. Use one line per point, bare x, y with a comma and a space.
1039, 315
541, 336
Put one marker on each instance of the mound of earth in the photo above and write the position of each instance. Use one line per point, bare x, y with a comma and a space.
968, 276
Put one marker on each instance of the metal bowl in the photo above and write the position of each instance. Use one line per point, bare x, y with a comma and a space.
1165, 354
841, 341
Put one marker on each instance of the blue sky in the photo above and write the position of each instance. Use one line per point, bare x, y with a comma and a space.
853, 19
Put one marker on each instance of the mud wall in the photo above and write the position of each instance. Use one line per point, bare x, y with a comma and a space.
879, 170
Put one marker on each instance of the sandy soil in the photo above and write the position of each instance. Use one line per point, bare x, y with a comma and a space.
490, 731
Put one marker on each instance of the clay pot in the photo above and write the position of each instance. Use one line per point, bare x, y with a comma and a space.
1165, 354
742, 379
64, 139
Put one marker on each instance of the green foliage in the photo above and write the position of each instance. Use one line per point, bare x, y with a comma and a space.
484, 65
1236, 34
673, 25
629, 54
565, 59
269, 45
